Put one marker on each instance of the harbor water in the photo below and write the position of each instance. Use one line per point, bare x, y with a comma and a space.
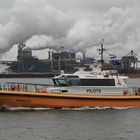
69, 124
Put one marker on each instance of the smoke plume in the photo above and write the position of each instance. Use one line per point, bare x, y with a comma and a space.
49, 24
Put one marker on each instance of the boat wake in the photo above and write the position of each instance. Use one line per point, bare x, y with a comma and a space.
96, 108
10, 108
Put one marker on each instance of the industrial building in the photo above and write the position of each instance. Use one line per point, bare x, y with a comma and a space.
66, 60
57, 61
129, 63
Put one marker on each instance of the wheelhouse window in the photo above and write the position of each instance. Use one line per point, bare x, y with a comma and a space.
60, 82
97, 82
55, 82
73, 80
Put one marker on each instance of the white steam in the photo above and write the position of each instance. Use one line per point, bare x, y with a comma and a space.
40, 42
47, 23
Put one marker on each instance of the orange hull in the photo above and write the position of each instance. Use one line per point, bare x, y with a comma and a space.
32, 99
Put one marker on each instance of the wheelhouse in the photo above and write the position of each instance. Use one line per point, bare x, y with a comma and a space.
74, 80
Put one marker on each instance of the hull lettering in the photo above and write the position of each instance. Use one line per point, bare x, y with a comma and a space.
93, 90
23, 100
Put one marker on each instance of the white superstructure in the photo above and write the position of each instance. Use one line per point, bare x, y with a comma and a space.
96, 82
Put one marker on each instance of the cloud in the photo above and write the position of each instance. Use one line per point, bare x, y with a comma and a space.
77, 25
31, 18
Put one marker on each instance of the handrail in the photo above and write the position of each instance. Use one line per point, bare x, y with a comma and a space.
26, 83
18, 86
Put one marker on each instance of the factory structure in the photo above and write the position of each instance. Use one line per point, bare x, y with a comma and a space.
67, 61
129, 63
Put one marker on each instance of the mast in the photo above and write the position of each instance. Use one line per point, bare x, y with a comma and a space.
101, 52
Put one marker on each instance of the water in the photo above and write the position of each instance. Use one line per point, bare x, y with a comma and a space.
69, 124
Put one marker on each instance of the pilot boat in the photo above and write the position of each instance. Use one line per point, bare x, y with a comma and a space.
82, 89
96, 88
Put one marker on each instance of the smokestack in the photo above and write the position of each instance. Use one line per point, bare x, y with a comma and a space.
20, 49
49, 55
84, 56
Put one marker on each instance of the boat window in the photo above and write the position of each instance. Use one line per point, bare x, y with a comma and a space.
55, 82
125, 81
72, 76
62, 82
74, 81
97, 82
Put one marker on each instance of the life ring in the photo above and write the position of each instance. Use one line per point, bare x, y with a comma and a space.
119, 82
18, 87
13, 87
125, 92
138, 90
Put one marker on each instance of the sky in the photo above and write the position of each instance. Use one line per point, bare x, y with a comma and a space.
78, 25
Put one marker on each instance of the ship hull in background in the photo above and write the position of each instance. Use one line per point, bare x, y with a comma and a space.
133, 75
